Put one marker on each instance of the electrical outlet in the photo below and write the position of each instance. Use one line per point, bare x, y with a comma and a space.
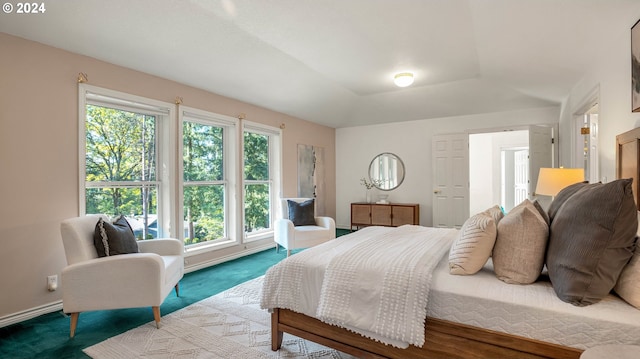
52, 282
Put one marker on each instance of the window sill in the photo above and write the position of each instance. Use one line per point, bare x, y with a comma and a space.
258, 236
208, 247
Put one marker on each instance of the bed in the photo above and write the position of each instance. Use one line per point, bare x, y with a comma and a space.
548, 328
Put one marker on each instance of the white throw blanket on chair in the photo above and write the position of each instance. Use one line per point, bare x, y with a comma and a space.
377, 287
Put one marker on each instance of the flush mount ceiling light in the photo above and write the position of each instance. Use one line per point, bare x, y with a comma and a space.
403, 79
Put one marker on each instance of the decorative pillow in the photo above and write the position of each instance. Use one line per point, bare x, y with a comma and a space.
592, 238
114, 238
518, 255
495, 212
562, 196
302, 214
628, 285
473, 245
542, 212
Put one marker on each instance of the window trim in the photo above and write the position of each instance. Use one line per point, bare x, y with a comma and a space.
164, 112
275, 175
230, 133
169, 124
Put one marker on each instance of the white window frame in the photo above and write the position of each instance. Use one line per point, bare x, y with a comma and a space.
164, 112
230, 135
275, 174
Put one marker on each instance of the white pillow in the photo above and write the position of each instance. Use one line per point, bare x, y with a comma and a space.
495, 212
473, 245
628, 284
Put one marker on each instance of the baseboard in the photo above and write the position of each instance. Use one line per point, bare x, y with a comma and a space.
209, 263
30, 313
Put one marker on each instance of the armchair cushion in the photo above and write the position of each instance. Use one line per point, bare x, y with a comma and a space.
114, 238
302, 214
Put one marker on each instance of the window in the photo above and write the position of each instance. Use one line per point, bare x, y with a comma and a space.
261, 180
120, 171
177, 176
208, 165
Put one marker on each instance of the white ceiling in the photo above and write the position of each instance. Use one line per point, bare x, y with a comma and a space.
332, 61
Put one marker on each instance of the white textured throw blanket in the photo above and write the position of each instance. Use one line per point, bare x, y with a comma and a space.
374, 282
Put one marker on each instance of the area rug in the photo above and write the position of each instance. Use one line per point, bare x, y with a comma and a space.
227, 325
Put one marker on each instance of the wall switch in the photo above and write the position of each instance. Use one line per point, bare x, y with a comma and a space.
52, 282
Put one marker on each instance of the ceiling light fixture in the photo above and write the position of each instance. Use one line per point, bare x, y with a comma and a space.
403, 79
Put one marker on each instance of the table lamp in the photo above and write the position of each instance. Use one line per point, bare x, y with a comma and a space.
552, 180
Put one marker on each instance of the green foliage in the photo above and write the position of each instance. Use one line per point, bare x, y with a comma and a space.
202, 152
121, 168
256, 207
256, 156
100, 200
203, 213
120, 147
203, 161
256, 173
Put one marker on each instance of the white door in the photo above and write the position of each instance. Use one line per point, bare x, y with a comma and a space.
515, 177
540, 154
520, 176
587, 146
593, 170
450, 171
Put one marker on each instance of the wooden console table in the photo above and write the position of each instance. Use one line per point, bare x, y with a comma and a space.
389, 214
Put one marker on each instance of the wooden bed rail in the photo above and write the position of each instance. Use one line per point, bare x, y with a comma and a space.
443, 339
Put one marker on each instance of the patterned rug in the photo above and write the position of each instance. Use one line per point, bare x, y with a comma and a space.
227, 325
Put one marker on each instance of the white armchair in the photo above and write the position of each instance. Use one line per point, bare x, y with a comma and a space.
119, 281
293, 237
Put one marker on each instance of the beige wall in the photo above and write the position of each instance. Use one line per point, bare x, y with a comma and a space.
39, 157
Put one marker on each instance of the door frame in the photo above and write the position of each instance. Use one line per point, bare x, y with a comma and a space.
555, 148
555, 126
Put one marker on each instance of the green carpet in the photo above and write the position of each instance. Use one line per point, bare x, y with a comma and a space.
47, 336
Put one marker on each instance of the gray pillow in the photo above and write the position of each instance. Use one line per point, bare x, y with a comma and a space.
114, 238
302, 214
592, 238
562, 196
518, 254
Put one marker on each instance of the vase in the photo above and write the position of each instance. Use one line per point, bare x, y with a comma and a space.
368, 196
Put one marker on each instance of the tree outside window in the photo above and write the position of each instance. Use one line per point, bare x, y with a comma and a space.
204, 185
257, 182
120, 160
131, 166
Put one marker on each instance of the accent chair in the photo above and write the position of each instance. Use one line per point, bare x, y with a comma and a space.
291, 236
129, 280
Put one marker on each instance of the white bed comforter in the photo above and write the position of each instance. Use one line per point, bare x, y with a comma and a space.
374, 282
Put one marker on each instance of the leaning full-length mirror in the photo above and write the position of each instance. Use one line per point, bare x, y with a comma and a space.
386, 171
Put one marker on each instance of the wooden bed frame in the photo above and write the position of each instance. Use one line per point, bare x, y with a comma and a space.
445, 339
628, 159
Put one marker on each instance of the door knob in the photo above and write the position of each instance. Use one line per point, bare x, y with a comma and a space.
436, 191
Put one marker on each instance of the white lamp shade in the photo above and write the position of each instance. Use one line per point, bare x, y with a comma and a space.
553, 180
403, 79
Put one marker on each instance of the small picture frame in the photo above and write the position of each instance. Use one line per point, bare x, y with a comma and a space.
635, 67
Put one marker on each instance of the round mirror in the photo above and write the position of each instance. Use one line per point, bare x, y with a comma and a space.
386, 171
